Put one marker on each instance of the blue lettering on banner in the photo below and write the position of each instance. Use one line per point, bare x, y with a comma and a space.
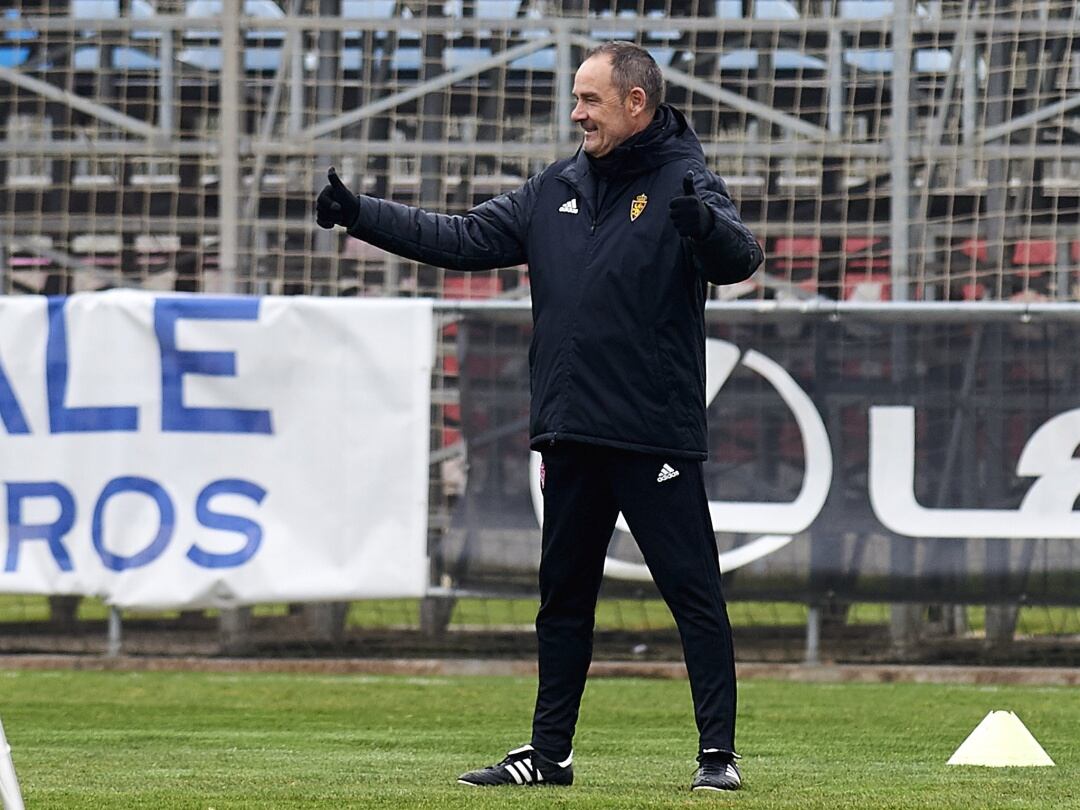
75, 420
10, 412
17, 492
175, 363
166, 515
229, 523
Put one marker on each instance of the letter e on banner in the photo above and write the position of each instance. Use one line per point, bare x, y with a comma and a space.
175, 363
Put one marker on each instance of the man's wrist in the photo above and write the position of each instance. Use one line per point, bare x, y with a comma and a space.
354, 214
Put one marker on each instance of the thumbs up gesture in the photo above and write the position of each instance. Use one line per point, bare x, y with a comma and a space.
691, 216
336, 205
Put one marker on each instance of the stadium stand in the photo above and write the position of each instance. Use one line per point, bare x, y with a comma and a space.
792, 100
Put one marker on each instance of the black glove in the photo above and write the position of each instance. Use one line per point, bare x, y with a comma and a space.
691, 216
336, 205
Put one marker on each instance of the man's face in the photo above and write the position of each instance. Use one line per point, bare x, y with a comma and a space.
606, 119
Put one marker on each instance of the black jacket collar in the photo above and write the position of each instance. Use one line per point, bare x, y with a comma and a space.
668, 137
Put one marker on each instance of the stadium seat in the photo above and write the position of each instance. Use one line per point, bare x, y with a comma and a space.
88, 58
29, 268
155, 253
864, 9
867, 286
27, 262
973, 291
976, 249
101, 249
470, 286
13, 51
451, 366
795, 253
263, 51
775, 10
796, 259
967, 261
1034, 257
783, 59
866, 254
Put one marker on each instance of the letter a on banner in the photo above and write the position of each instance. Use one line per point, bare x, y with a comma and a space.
10, 797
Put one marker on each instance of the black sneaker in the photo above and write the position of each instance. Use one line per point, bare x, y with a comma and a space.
717, 771
522, 766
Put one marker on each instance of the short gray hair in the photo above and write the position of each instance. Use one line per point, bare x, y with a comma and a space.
632, 66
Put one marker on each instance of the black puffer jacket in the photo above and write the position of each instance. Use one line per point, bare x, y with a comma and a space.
618, 298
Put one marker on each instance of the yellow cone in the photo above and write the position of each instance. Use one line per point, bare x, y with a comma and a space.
10, 797
1000, 741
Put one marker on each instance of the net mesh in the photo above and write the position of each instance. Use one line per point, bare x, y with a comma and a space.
178, 145
117, 115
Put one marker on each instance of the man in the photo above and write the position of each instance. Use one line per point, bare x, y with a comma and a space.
620, 240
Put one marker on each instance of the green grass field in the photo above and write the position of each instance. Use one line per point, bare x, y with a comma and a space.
192, 740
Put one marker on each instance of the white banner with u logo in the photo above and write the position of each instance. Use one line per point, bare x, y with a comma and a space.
188, 451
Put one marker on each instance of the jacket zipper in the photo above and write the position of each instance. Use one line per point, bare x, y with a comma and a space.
593, 209
593, 220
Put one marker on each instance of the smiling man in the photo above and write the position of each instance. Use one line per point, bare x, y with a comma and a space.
621, 240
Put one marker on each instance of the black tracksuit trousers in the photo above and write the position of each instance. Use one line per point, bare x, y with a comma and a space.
585, 487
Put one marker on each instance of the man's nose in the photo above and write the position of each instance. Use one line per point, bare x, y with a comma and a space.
577, 114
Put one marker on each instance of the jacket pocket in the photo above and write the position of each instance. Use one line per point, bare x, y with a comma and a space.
664, 380
675, 393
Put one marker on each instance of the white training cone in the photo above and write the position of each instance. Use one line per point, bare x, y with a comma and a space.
1000, 741
10, 797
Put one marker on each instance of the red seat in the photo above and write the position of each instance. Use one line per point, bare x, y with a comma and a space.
1034, 257
796, 247
973, 292
795, 253
450, 365
862, 253
1039, 251
975, 249
470, 286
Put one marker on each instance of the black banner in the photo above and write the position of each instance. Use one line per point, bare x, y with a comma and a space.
853, 455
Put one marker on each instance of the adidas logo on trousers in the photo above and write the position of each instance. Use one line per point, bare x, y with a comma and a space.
667, 472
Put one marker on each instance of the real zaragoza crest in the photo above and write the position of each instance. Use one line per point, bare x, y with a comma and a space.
637, 205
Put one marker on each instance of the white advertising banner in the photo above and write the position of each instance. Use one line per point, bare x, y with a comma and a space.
193, 451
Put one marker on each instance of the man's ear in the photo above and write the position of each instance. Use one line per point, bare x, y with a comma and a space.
636, 101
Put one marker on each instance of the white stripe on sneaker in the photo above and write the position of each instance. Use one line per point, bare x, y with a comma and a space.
524, 770
513, 773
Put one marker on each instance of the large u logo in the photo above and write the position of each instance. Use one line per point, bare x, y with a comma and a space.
776, 522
